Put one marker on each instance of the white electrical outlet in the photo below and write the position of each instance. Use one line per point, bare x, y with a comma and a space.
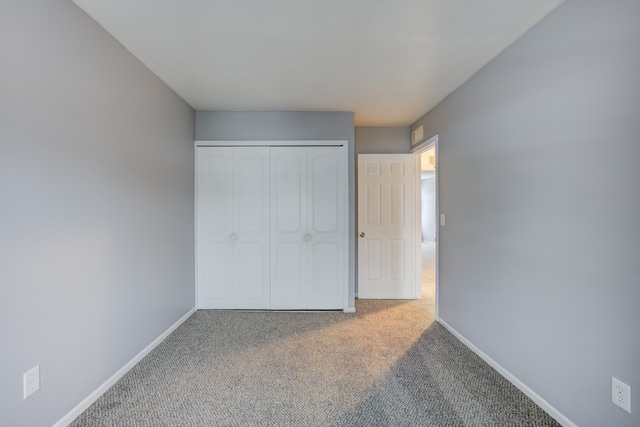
31, 381
442, 220
621, 394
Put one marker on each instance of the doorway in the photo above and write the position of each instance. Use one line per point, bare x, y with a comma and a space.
427, 228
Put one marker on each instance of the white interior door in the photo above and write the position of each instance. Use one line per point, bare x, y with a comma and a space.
215, 224
271, 227
233, 227
251, 220
288, 227
386, 226
307, 250
325, 229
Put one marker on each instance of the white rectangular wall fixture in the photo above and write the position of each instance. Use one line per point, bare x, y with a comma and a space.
417, 135
621, 394
31, 381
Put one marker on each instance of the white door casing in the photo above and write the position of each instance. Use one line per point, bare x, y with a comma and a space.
417, 151
386, 259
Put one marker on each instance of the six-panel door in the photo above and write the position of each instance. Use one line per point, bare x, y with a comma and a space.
385, 226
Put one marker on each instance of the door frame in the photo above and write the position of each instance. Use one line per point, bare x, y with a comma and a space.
417, 152
349, 305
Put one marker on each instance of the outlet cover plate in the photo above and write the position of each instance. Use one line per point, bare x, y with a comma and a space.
31, 381
621, 394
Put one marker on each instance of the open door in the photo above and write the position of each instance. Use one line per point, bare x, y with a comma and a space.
386, 227
426, 159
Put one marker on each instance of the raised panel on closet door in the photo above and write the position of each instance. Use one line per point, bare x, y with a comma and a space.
288, 226
251, 220
233, 227
214, 224
325, 207
307, 230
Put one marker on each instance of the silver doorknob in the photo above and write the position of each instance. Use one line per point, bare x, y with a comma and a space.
362, 234
233, 237
307, 237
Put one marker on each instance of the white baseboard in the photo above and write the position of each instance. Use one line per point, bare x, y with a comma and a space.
82, 406
546, 406
350, 310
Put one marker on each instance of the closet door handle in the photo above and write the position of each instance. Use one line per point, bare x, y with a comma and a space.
233, 237
307, 237
362, 234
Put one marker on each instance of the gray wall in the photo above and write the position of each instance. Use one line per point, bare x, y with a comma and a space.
539, 265
96, 207
428, 208
382, 140
301, 125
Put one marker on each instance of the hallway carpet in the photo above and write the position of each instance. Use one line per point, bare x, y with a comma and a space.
388, 364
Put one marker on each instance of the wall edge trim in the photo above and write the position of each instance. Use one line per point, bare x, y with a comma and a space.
95, 395
538, 400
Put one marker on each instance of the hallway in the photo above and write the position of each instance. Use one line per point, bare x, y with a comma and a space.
429, 277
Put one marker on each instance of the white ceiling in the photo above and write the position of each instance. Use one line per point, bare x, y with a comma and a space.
389, 61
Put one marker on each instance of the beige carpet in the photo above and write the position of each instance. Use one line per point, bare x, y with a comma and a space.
388, 364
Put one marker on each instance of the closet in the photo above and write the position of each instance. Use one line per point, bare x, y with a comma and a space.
232, 223
271, 227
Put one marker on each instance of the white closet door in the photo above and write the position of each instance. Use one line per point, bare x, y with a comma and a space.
251, 220
233, 227
307, 228
325, 229
288, 227
214, 224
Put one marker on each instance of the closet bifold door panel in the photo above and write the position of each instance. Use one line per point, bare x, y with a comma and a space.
232, 222
306, 228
